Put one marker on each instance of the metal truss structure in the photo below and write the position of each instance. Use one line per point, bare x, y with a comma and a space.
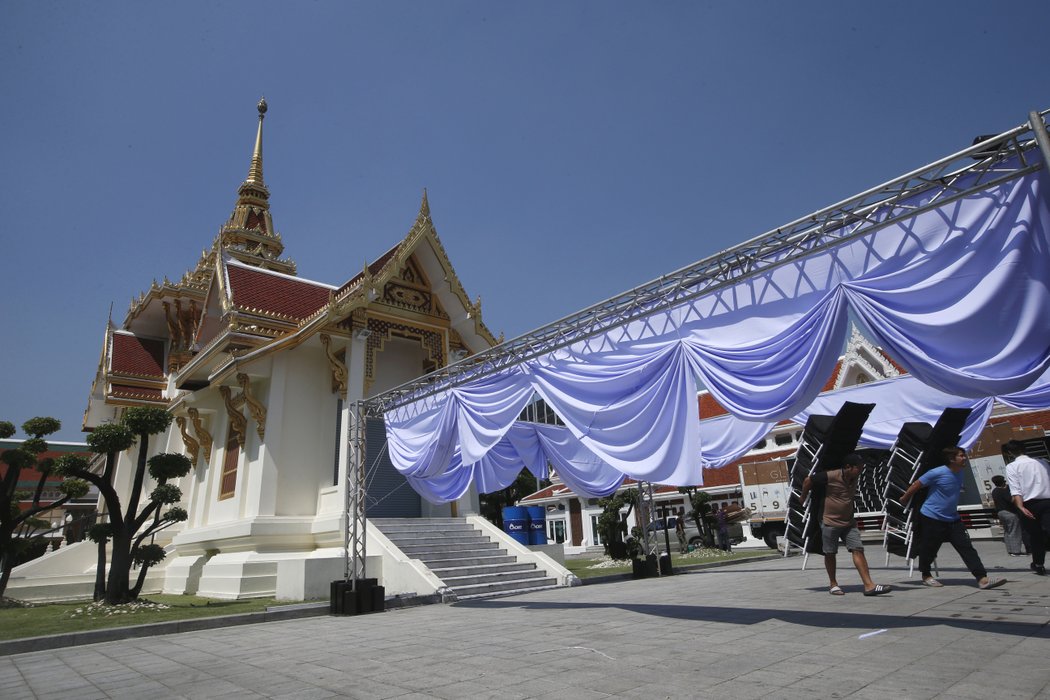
993, 161
990, 162
356, 533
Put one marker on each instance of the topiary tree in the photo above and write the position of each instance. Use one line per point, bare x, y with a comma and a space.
125, 531
700, 513
613, 526
20, 529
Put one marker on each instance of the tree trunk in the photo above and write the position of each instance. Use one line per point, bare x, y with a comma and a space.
117, 587
100, 573
6, 564
138, 583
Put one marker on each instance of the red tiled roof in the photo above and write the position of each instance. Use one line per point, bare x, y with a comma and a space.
373, 269
709, 408
138, 357
256, 290
124, 391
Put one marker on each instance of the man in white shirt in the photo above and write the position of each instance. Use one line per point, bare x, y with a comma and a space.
1029, 482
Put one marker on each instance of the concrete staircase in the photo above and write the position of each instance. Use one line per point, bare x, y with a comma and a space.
465, 559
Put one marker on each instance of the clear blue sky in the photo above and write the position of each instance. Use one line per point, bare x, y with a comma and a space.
571, 150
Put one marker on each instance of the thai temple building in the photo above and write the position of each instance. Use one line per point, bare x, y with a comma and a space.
259, 366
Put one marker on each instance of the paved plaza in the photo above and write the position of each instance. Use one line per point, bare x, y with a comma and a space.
751, 630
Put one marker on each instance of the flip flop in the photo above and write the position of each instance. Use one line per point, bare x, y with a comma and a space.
879, 590
992, 583
835, 590
932, 583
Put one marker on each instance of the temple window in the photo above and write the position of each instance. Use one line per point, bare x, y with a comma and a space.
228, 482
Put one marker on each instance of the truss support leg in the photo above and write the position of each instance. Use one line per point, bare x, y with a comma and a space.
356, 594
1039, 129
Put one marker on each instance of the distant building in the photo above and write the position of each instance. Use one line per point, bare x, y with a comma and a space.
67, 523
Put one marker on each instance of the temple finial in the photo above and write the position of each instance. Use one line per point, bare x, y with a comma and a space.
255, 171
424, 206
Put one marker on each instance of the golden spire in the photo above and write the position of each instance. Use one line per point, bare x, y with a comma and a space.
253, 189
249, 235
255, 171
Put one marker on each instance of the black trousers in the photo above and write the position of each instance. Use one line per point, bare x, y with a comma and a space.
934, 533
1037, 529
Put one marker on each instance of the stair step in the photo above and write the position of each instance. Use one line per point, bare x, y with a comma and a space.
441, 541
413, 549
442, 572
515, 585
503, 594
426, 528
468, 561
455, 582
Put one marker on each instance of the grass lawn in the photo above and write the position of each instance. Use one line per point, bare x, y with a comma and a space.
55, 618
582, 567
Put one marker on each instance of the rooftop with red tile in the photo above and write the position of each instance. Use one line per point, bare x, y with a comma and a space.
256, 290
137, 357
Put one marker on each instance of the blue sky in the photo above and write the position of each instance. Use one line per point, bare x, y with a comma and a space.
571, 150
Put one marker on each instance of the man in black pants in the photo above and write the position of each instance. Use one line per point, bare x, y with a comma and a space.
1029, 481
940, 520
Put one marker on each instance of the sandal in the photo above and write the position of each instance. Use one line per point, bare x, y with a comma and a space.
835, 590
932, 582
991, 583
879, 590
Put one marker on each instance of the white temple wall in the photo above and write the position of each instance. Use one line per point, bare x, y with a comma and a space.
200, 482
228, 509
400, 361
303, 447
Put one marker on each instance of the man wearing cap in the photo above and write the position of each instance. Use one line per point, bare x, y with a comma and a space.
1029, 481
838, 523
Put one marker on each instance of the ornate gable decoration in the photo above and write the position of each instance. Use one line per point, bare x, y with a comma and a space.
410, 290
863, 362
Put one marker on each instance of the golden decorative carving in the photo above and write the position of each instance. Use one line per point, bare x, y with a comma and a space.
202, 434
382, 330
192, 446
257, 410
339, 373
238, 423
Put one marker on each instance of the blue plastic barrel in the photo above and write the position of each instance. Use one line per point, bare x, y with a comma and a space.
537, 524
516, 523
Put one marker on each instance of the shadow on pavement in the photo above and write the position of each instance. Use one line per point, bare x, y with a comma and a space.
750, 616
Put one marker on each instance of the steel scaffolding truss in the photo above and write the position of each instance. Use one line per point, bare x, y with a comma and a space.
996, 160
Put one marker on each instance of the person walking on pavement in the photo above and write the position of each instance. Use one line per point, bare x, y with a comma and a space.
1008, 517
838, 523
940, 522
1029, 481
721, 519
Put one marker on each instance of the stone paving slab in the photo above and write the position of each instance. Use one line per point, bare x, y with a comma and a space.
757, 629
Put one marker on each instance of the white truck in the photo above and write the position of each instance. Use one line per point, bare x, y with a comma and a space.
764, 485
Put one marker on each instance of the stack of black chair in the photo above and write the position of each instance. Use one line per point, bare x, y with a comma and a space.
826, 440
917, 450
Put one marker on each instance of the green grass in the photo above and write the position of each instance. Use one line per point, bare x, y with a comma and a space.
56, 618
581, 566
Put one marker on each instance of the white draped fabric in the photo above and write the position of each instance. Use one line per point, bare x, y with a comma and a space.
959, 295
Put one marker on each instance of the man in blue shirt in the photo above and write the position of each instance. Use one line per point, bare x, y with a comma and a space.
939, 520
